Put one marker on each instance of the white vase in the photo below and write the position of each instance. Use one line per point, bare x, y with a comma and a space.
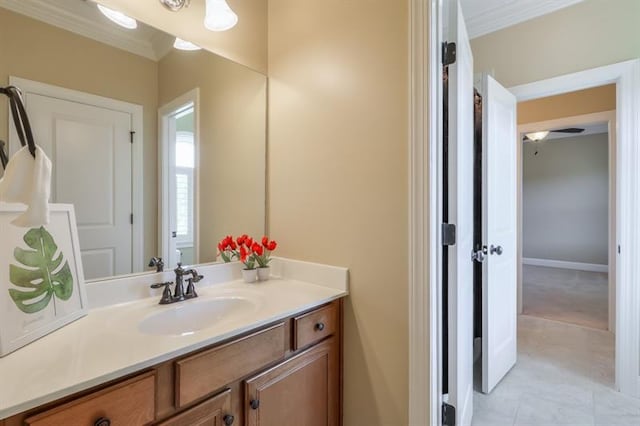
264, 273
250, 275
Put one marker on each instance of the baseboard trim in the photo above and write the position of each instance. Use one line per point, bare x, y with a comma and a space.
589, 267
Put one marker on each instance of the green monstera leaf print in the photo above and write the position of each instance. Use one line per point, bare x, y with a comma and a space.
42, 276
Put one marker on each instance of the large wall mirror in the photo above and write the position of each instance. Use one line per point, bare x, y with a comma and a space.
161, 150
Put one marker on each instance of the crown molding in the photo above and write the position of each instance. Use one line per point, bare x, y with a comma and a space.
511, 14
49, 13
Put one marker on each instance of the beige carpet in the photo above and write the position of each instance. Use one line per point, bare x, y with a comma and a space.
576, 297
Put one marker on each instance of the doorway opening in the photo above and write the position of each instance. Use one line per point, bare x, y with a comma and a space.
566, 283
567, 199
179, 137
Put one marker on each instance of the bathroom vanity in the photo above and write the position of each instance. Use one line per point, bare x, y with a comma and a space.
278, 362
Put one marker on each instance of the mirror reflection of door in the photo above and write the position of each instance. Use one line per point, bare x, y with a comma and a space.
178, 176
182, 185
89, 141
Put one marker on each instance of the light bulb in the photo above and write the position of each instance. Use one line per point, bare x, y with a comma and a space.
537, 136
118, 17
219, 16
181, 44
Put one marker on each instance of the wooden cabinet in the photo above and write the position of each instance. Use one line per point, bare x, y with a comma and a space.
129, 403
200, 374
283, 374
301, 391
215, 411
314, 326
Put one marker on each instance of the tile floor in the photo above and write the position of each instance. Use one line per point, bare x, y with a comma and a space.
566, 295
564, 376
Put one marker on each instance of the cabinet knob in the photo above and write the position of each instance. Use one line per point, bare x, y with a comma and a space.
255, 403
228, 420
320, 326
102, 421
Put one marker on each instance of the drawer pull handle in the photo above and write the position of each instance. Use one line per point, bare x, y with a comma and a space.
102, 421
228, 420
255, 403
320, 326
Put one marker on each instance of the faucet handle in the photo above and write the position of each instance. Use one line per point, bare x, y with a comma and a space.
166, 293
158, 263
160, 285
196, 277
191, 289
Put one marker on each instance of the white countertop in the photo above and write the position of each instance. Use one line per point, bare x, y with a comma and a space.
106, 344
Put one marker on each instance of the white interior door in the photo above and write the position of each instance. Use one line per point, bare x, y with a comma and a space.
499, 222
460, 268
90, 149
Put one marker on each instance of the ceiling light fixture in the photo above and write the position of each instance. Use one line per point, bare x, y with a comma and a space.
181, 44
537, 136
175, 5
219, 16
118, 17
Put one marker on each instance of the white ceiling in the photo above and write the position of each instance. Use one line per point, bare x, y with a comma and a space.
83, 17
486, 16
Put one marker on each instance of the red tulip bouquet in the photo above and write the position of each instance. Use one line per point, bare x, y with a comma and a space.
263, 252
250, 253
228, 249
247, 253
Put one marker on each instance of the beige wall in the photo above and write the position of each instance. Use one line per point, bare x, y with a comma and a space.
588, 35
338, 120
597, 99
36, 51
246, 43
232, 142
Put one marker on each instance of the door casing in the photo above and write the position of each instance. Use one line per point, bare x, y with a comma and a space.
425, 168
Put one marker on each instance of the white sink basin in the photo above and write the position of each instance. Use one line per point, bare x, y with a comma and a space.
187, 317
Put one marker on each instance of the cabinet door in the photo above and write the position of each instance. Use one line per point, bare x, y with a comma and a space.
214, 411
302, 391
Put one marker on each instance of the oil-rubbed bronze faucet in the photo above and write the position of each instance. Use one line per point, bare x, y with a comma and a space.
179, 293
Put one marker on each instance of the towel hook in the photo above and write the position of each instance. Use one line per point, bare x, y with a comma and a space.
21, 121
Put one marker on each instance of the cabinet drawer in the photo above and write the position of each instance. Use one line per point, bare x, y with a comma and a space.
212, 412
315, 326
129, 403
199, 375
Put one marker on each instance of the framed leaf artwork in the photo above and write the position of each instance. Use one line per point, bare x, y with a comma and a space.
41, 277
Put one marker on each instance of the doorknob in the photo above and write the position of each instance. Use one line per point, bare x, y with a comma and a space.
479, 255
496, 250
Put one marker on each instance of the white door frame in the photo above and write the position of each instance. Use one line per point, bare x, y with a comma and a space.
626, 75
608, 117
191, 97
137, 159
425, 267
425, 213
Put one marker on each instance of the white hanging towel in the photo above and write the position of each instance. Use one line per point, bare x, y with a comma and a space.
28, 181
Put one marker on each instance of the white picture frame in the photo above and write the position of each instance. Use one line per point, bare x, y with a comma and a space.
41, 289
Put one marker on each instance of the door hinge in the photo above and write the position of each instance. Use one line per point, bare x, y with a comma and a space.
448, 53
131, 218
448, 234
132, 134
448, 415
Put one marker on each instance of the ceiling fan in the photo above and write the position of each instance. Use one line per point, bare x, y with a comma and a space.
538, 136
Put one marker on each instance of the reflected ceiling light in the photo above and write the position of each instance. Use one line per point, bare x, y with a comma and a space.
537, 136
175, 5
118, 17
181, 44
219, 16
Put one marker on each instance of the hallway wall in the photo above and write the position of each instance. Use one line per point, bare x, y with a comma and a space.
566, 199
